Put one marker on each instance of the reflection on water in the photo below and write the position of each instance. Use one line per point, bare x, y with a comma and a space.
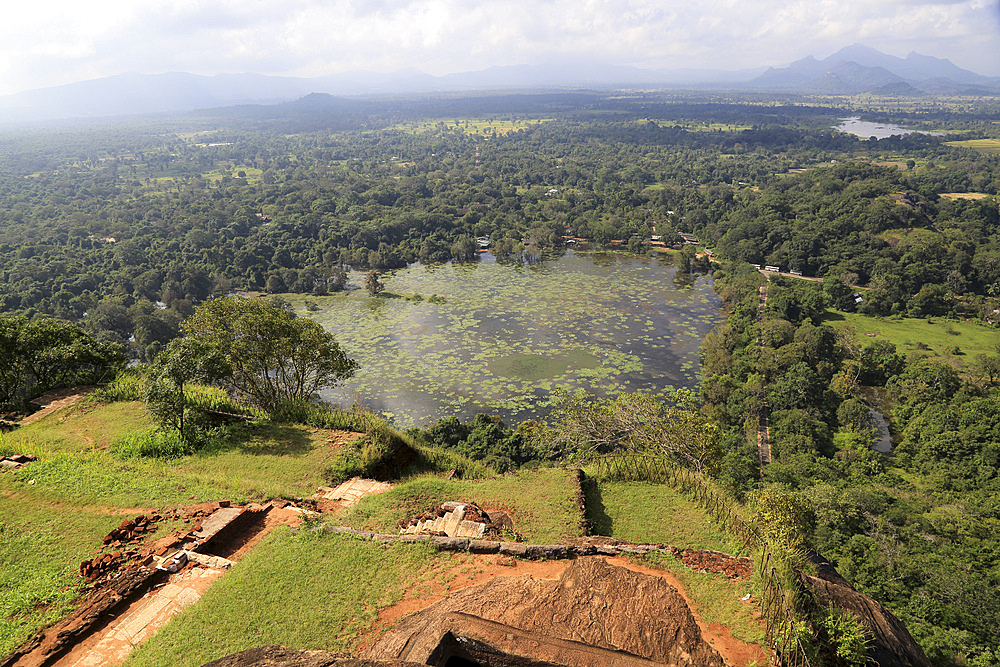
854, 125
506, 337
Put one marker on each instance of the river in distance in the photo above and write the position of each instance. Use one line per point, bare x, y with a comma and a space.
460, 339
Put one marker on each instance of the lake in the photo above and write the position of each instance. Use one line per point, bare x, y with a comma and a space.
502, 338
854, 125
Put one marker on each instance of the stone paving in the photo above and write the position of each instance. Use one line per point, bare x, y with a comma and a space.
352, 491
141, 619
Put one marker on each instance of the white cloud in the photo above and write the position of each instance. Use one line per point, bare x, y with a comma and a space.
49, 42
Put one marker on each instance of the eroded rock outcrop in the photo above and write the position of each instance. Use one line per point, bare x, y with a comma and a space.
891, 641
594, 614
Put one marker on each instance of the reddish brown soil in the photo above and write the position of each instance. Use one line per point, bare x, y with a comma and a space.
470, 571
713, 561
340, 438
241, 543
477, 569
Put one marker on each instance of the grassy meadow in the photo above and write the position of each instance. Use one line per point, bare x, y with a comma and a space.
981, 145
648, 512
307, 589
41, 546
541, 502
934, 336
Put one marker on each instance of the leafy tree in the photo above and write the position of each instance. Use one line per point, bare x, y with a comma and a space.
43, 354
486, 438
273, 356
878, 363
183, 361
639, 423
782, 517
373, 282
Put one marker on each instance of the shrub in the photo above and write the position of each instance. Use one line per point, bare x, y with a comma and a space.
128, 386
846, 635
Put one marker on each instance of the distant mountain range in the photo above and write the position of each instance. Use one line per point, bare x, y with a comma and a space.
861, 69
852, 70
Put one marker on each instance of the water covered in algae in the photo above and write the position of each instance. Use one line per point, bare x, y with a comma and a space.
505, 337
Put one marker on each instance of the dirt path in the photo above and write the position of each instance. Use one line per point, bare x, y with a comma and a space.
477, 569
55, 400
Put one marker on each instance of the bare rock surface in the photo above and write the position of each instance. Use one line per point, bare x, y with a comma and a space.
595, 613
892, 643
280, 656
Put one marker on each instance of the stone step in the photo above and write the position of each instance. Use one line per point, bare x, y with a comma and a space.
451, 521
471, 529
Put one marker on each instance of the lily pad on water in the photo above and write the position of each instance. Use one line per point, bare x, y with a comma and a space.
506, 336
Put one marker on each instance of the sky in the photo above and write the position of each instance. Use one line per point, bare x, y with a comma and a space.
52, 42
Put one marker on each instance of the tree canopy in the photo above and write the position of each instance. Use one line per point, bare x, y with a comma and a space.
272, 355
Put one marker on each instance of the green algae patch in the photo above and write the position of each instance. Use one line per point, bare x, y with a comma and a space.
537, 367
504, 338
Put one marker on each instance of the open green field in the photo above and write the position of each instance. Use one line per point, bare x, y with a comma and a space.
483, 126
981, 145
940, 336
41, 545
647, 512
266, 461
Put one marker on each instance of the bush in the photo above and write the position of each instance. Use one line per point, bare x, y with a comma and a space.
846, 635
128, 386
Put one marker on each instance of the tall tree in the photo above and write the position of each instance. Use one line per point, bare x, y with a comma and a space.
273, 355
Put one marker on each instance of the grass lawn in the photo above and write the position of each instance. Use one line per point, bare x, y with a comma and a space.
41, 547
85, 425
75, 466
542, 503
981, 145
940, 336
644, 512
307, 591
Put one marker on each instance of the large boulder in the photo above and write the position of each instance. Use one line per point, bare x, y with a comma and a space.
891, 641
594, 614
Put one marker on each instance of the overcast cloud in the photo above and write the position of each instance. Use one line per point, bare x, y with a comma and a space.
51, 42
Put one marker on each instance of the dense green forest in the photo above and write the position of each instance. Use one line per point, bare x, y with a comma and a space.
98, 224
917, 530
111, 234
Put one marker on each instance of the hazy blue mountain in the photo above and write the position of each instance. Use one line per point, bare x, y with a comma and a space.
851, 70
858, 68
